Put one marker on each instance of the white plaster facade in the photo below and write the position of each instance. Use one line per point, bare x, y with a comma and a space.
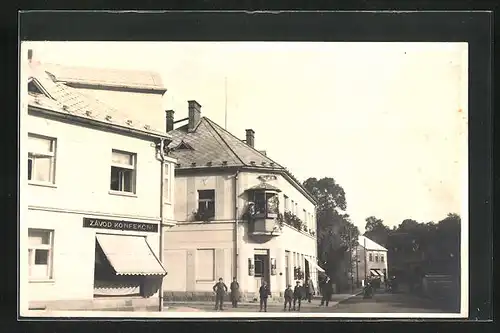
373, 257
188, 236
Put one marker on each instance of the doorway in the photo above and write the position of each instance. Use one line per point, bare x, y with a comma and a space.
262, 268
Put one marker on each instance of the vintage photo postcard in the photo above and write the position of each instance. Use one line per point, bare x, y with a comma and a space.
243, 179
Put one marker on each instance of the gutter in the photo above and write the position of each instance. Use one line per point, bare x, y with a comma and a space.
160, 251
236, 221
96, 123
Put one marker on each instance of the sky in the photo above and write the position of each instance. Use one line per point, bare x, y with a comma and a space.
387, 121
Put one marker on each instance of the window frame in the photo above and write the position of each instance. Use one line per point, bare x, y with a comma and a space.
34, 155
382, 258
50, 255
285, 202
370, 257
131, 167
207, 202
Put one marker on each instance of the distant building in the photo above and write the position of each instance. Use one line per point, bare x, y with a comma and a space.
217, 178
91, 215
371, 260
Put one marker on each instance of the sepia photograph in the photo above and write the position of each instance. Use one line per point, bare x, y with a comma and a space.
243, 179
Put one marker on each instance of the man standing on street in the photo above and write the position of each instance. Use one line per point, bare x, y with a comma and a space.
264, 293
326, 292
235, 292
297, 295
220, 290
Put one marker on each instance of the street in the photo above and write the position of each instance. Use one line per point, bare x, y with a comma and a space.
382, 302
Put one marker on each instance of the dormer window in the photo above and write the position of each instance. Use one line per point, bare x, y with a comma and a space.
184, 145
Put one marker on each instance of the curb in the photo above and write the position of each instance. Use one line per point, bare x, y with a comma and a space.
347, 298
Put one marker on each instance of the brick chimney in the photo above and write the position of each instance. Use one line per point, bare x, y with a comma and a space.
194, 115
170, 120
250, 137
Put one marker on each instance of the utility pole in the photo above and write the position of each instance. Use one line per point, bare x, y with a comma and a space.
364, 254
350, 255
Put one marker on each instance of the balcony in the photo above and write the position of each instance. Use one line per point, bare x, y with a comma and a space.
263, 213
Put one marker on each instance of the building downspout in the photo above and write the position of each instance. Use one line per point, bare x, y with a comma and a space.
236, 220
160, 252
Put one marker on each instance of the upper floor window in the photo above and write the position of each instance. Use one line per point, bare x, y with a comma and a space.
266, 203
286, 202
123, 171
41, 158
382, 259
166, 183
40, 254
206, 204
306, 221
376, 257
296, 209
370, 257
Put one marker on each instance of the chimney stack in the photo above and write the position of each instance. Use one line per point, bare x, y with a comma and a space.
170, 120
194, 115
250, 137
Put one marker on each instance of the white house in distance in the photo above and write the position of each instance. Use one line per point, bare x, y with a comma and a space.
371, 260
216, 178
92, 177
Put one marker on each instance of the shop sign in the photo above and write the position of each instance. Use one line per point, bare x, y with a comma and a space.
119, 225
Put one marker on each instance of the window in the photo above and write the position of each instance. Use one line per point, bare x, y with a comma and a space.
123, 171
306, 221
376, 257
382, 258
296, 209
286, 202
370, 257
205, 265
206, 204
166, 183
287, 267
41, 159
259, 266
272, 204
40, 254
292, 207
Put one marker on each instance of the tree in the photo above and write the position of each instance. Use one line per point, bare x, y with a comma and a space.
335, 232
376, 230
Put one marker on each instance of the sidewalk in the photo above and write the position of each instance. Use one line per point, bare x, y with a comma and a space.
183, 305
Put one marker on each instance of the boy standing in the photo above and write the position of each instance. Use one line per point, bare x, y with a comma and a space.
264, 293
297, 295
288, 297
220, 290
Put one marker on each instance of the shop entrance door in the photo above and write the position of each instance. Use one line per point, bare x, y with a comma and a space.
262, 268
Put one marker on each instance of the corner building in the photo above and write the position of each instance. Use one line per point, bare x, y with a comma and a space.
217, 177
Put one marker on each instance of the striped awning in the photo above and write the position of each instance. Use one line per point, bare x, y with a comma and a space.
130, 255
314, 265
375, 272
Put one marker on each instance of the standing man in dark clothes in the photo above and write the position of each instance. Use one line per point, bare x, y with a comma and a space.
235, 292
288, 297
297, 295
264, 293
326, 292
220, 290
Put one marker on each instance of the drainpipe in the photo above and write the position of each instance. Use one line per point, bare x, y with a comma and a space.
236, 218
162, 184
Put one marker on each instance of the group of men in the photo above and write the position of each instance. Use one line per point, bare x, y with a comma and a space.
292, 296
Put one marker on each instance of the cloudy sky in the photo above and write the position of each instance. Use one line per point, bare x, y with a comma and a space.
388, 121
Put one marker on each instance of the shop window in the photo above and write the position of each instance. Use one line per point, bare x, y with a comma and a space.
40, 254
205, 265
370, 257
206, 204
123, 171
41, 158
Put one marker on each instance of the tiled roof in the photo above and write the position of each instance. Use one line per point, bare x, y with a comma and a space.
103, 76
64, 99
214, 146
369, 244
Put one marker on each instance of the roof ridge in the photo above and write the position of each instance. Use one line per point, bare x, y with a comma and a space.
210, 122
